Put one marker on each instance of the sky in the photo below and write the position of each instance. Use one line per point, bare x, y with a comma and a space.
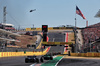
49, 12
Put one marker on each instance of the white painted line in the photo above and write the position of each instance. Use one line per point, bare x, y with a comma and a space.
45, 62
59, 61
32, 64
54, 56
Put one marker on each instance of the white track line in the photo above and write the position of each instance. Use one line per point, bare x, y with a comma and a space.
35, 64
54, 56
59, 61
32, 64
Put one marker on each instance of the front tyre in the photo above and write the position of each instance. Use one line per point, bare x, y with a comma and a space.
51, 58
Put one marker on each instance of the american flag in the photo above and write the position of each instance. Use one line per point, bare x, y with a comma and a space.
78, 11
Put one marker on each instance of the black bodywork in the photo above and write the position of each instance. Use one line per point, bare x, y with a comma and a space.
33, 59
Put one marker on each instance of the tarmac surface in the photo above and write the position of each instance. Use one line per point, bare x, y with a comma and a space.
56, 37
66, 61
13, 61
79, 61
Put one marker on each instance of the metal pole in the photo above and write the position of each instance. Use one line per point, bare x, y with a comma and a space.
75, 34
4, 17
86, 23
33, 25
90, 47
4, 14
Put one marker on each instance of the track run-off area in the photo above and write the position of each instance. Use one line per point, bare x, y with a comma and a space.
59, 60
20, 61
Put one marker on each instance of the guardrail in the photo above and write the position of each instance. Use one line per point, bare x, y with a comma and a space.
56, 43
89, 54
50, 28
10, 54
40, 29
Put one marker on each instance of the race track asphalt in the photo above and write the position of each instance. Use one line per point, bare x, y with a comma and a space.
20, 61
76, 61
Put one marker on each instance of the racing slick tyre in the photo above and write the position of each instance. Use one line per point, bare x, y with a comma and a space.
51, 58
41, 59
26, 61
37, 60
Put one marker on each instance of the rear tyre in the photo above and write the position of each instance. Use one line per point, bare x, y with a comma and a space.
41, 59
26, 61
37, 61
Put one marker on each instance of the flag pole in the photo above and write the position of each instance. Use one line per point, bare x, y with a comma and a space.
75, 32
75, 20
78, 11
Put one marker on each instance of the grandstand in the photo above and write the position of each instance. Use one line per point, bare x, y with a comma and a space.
7, 26
91, 34
6, 37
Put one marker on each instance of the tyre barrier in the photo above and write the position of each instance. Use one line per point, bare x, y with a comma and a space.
10, 54
89, 54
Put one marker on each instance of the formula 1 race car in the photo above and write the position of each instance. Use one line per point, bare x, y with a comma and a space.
47, 57
33, 59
